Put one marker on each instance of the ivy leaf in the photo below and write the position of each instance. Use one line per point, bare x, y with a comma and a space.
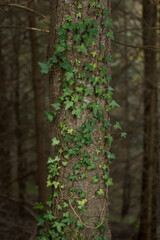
110, 140
79, 89
109, 182
44, 67
55, 141
110, 155
77, 112
69, 75
109, 59
88, 66
40, 220
79, 14
123, 134
39, 205
77, 38
50, 115
54, 59
117, 126
82, 48
56, 106
114, 104
105, 11
79, 6
88, 91
80, 224
59, 226
110, 35
69, 18
100, 192
105, 238
92, 3
108, 23
93, 53
56, 184
68, 104
64, 163
96, 108
102, 47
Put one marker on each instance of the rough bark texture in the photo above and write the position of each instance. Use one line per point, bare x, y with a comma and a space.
148, 221
39, 104
96, 206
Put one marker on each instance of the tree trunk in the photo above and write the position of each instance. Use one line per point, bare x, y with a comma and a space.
20, 159
81, 178
127, 177
39, 101
148, 220
5, 166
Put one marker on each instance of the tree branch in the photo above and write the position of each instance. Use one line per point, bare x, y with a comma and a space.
27, 28
24, 7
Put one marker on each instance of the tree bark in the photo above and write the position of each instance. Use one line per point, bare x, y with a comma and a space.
5, 166
148, 222
69, 178
39, 101
21, 164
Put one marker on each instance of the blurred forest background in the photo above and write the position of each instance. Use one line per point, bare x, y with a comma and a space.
24, 94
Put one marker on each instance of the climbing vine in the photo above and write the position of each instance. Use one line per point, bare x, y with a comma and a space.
80, 81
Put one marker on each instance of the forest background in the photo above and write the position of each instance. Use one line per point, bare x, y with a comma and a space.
24, 138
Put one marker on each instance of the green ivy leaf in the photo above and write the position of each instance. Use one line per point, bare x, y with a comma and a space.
109, 59
80, 224
110, 139
88, 91
69, 18
110, 35
82, 48
92, 3
100, 192
117, 126
45, 67
105, 11
68, 104
79, 14
79, 6
56, 106
108, 23
77, 38
55, 141
123, 134
102, 47
109, 182
77, 112
110, 155
64, 163
114, 104
50, 115
39, 205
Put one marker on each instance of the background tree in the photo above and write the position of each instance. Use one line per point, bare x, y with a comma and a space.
148, 220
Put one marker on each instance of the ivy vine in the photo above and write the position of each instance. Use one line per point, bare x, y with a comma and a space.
74, 91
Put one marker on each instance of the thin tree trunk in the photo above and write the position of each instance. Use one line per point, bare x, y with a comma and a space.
39, 111
5, 166
20, 159
127, 177
148, 195
75, 175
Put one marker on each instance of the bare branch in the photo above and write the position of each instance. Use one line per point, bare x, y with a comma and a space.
27, 28
24, 7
